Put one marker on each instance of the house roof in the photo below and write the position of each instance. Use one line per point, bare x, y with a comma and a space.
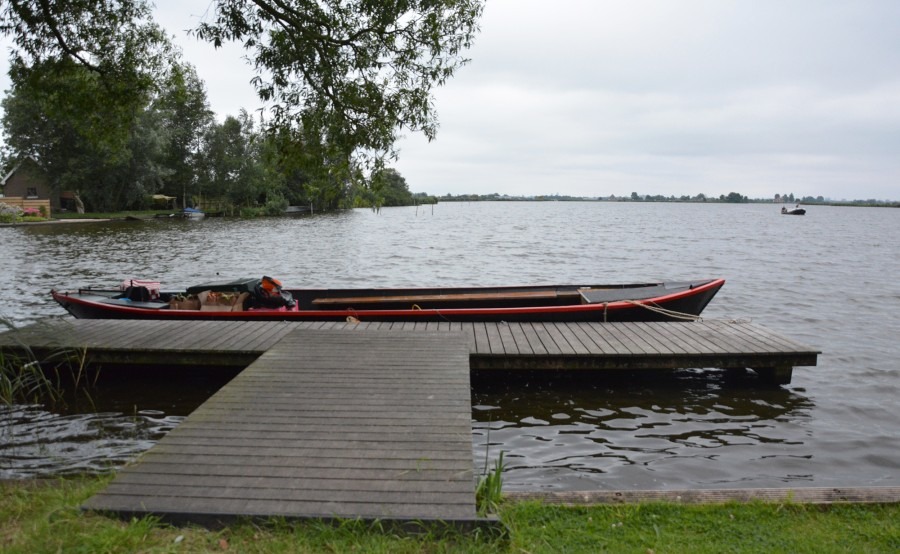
16, 168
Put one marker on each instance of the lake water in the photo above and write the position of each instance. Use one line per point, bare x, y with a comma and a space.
830, 279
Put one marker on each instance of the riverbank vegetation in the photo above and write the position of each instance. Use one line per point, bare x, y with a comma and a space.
15, 214
45, 517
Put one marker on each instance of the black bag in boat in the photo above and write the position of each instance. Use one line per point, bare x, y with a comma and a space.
264, 293
268, 294
136, 294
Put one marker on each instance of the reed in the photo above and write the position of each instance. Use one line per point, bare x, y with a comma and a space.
26, 379
23, 382
489, 492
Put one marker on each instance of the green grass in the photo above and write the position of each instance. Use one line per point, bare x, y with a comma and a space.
661, 527
46, 518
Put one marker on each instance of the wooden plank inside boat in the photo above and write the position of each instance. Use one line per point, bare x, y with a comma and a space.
460, 297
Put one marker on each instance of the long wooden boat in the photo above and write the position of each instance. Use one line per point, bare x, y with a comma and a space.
240, 300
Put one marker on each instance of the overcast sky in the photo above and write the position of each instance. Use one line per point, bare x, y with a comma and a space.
671, 97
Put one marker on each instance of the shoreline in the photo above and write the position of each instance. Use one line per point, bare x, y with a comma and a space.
813, 496
52, 222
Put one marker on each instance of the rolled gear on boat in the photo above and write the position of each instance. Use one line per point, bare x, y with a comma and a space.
268, 293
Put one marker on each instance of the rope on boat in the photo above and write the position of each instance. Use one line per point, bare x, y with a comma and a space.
656, 308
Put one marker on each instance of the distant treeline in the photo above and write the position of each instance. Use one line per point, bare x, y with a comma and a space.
732, 198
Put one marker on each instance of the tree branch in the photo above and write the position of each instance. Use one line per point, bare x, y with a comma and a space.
54, 29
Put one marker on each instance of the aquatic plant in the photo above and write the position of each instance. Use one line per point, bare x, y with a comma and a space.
22, 381
25, 378
489, 491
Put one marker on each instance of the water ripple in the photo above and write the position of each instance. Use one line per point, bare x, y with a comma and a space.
38, 443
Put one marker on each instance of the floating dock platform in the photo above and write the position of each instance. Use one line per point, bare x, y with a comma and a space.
492, 346
364, 420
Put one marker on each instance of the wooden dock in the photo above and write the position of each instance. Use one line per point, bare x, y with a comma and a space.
358, 420
322, 425
492, 346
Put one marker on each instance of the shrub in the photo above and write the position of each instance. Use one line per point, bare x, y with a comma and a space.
9, 214
248, 212
276, 205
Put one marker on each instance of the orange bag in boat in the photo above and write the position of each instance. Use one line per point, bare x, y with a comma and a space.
270, 285
269, 294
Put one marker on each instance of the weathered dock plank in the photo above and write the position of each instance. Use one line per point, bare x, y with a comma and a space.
494, 340
532, 341
479, 332
631, 344
510, 347
603, 335
324, 424
768, 336
572, 343
663, 341
691, 342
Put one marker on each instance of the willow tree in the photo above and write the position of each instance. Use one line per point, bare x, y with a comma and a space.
352, 73
89, 71
116, 40
345, 77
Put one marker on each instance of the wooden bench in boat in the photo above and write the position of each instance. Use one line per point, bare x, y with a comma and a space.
457, 297
586, 296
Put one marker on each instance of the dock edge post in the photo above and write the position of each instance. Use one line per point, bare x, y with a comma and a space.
775, 375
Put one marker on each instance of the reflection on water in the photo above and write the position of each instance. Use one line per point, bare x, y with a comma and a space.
651, 430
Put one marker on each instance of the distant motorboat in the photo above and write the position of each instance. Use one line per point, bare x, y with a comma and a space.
192, 213
795, 211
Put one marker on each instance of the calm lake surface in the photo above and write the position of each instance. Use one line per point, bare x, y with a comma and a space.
830, 279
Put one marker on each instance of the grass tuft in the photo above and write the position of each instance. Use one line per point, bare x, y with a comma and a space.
489, 492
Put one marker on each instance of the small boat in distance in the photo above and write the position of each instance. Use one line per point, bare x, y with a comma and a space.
192, 213
794, 211
265, 299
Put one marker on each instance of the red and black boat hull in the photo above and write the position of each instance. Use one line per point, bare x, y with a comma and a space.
642, 302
